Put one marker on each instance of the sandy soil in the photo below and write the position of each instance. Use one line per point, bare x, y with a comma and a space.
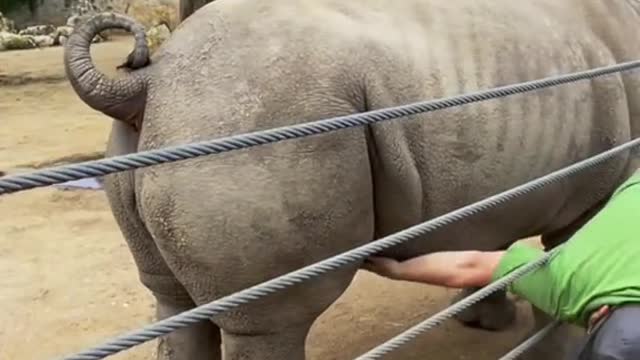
67, 279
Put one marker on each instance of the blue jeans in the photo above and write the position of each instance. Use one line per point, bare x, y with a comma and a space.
617, 338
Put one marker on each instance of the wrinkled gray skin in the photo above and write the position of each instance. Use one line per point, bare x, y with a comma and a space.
205, 228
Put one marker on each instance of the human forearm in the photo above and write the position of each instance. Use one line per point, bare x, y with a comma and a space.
451, 269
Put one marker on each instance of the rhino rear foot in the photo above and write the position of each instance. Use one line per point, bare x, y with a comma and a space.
283, 344
196, 342
496, 312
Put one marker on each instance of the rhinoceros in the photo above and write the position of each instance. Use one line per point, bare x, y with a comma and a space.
207, 227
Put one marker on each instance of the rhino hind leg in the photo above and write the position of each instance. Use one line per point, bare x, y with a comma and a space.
198, 342
495, 312
284, 344
276, 327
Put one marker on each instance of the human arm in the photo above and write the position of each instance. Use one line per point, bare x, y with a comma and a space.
461, 269
456, 269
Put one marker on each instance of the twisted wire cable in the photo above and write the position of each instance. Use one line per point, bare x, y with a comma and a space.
451, 311
530, 342
206, 311
55, 175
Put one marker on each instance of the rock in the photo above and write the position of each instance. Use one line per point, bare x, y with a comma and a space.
82, 10
10, 41
154, 15
64, 31
76, 20
6, 25
61, 35
38, 30
98, 39
82, 7
43, 40
157, 35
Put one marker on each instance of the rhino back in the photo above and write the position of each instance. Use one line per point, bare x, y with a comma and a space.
444, 160
242, 65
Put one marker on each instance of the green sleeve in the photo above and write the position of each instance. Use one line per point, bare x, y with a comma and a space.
534, 286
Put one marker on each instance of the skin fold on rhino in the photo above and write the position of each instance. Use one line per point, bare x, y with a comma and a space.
204, 228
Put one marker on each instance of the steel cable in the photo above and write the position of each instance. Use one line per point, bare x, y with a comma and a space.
61, 174
530, 342
451, 311
247, 295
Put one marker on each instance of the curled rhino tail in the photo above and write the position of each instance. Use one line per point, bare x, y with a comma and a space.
122, 99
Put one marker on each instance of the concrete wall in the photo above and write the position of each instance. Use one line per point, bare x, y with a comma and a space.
56, 12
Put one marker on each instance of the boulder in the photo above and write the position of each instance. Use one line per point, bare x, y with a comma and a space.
84, 7
38, 30
154, 15
157, 35
43, 40
61, 35
64, 31
11, 41
99, 38
39, 36
6, 25
75, 20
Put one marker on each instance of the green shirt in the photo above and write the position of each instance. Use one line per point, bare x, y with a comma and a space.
599, 265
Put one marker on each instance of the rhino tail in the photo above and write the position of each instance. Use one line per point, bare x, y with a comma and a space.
122, 99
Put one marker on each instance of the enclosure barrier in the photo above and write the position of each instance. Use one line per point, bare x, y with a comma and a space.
16, 183
525, 345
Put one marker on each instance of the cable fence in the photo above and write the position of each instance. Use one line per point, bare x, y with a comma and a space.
17, 183
245, 296
530, 342
56, 175
437, 319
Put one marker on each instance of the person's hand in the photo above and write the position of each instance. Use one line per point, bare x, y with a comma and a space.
597, 316
382, 266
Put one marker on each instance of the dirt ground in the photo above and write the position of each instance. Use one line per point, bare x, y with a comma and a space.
67, 279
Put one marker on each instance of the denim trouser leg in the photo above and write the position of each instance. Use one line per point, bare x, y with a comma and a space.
618, 338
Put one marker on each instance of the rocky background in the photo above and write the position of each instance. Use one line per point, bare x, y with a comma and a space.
51, 22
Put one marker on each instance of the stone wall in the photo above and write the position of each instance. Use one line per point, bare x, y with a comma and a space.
56, 12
